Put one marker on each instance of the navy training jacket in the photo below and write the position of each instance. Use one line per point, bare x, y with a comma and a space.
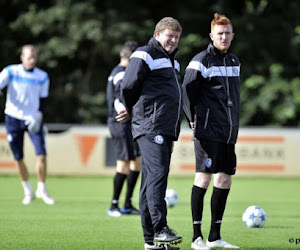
151, 90
211, 95
113, 91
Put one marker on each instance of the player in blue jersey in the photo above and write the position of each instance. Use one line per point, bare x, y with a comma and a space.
27, 90
127, 151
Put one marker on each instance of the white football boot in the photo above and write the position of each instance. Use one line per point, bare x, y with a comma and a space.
199, 244
28, 193
43, 194
221, 243
114, 212
28, 198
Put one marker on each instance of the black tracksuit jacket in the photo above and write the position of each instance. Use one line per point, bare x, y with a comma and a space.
152, 91
113, 91
211, 95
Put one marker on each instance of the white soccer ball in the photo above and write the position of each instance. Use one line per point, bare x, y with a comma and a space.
171, 197
254, 216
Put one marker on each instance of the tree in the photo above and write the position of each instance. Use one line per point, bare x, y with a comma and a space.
79, 42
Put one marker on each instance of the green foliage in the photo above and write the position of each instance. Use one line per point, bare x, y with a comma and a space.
270, 101
93, 107
188, 44
79, 43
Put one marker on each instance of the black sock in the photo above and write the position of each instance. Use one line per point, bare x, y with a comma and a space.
217, 204
197, 210
131, 181
118, 185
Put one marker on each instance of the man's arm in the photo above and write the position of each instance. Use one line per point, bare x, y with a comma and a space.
190, 94
4, 79
43, 104
132, 82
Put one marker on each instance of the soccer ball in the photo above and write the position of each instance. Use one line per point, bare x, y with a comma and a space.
171, 197
254, 216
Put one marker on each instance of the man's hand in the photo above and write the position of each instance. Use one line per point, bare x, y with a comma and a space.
192, 124
34, 122
123, 116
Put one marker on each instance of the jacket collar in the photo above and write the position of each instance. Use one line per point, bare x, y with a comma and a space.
212, 49
157, 45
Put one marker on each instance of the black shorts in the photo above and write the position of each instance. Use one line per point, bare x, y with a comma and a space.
125, 147
215, 157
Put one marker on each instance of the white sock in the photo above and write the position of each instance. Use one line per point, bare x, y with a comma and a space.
41, 186
27, 188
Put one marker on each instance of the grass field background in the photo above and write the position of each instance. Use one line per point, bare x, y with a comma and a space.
78, 220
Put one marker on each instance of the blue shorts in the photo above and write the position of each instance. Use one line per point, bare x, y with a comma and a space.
15, 136
125, 147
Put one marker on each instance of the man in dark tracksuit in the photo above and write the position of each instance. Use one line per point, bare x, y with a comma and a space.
211, 94
152, 94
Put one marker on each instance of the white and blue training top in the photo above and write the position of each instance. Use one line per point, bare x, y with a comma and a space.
24, 90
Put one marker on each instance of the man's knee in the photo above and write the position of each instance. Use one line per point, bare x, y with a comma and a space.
222, 180
123, 167
202, 180
135, 165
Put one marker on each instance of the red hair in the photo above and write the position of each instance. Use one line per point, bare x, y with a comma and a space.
220, 20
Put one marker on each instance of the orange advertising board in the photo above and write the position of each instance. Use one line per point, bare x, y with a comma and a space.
84, 150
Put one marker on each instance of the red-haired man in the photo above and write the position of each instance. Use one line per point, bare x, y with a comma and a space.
211, 94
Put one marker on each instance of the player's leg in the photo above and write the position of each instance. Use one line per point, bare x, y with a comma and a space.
22, 169
41, 168
15, 137
146, 221
38, 141
28, 191
147, 200
224, 169
222, 183
156, 152
132, 178
201, 183
41, 191
118, 133
122, 169
130, 152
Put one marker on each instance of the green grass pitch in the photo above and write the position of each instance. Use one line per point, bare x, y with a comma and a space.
78, 220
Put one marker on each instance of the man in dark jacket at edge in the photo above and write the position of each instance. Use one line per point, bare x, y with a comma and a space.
152, 93
211, 94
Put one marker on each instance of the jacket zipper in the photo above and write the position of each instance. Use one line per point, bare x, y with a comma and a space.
228, 99
180, 97
206, 118
154, 112
179, 106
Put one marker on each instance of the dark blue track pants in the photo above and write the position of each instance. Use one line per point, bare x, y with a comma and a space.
155, 170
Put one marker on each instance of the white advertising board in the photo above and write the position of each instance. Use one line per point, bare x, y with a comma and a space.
84, 150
